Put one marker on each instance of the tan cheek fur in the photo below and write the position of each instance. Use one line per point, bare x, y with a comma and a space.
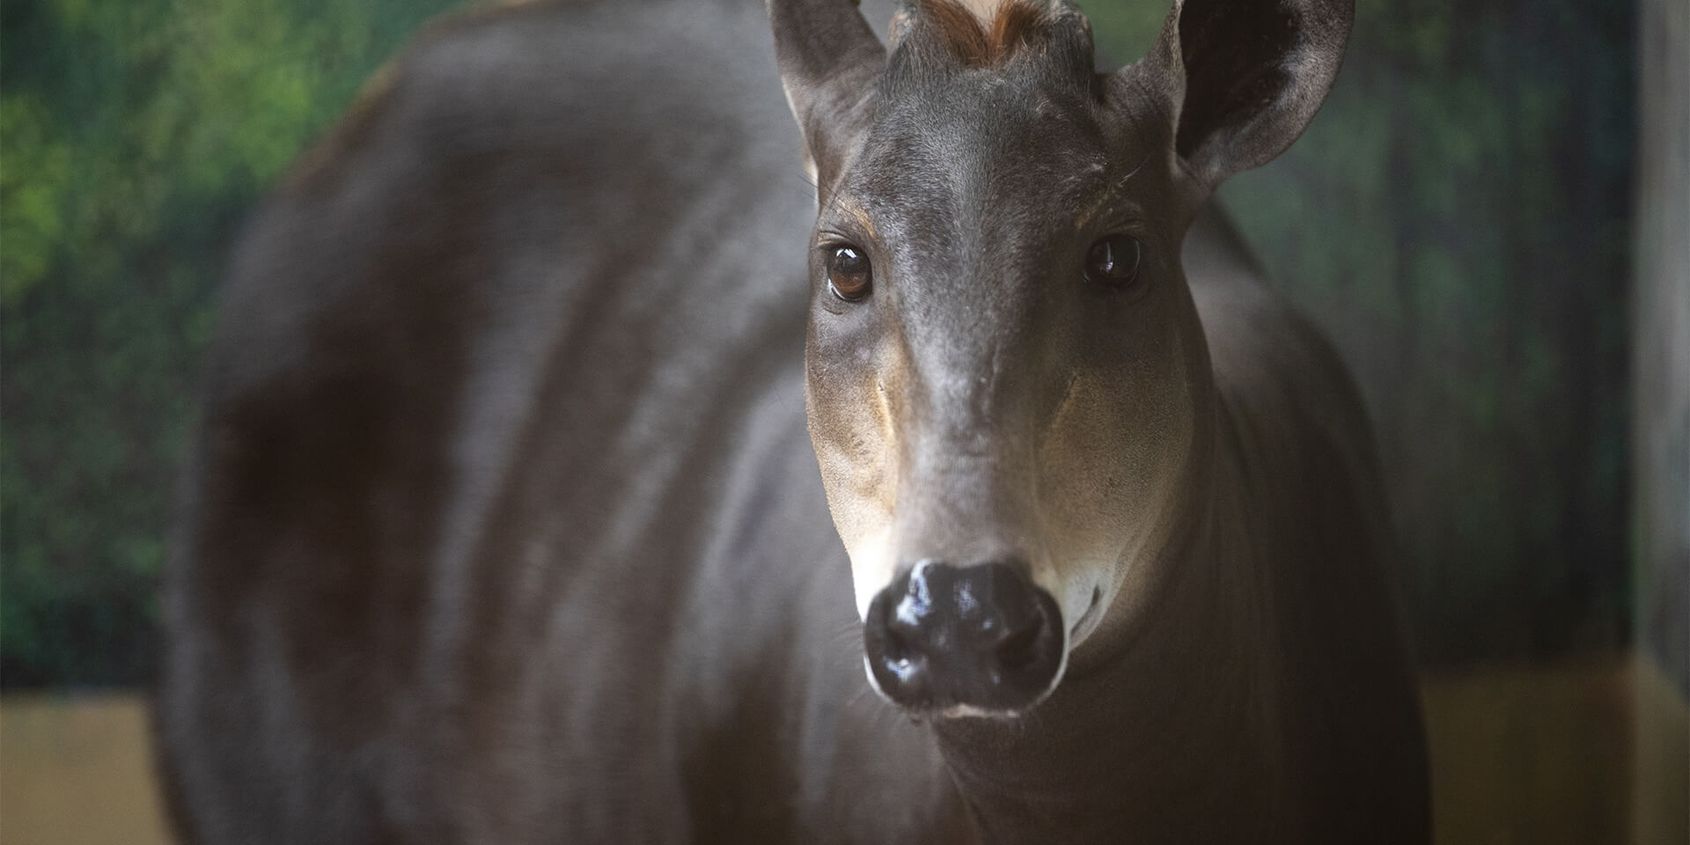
1103, 491
857, 452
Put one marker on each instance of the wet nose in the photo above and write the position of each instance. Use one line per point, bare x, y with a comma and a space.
982, 636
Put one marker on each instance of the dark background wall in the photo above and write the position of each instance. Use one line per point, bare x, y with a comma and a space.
1458, 218
1459, 222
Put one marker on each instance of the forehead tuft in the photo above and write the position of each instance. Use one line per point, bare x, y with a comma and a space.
982, 33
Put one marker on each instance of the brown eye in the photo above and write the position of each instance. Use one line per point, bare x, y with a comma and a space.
1113, 261
849, 275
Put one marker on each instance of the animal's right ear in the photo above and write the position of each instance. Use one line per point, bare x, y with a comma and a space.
829, 59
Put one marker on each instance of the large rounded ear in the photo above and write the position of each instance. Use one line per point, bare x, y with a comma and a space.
1242, 78
829, 59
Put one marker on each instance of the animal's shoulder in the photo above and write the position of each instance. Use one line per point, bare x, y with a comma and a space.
577, 76
1294, 421
1273, 366
532, 132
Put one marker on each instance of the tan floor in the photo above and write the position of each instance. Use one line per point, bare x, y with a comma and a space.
1545, 754
77, 770
1538, 755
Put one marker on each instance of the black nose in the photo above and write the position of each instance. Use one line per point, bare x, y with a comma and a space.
982, 636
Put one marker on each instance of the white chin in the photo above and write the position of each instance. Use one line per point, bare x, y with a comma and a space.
1082, 607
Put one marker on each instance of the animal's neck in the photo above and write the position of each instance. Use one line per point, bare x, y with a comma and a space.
1169, 726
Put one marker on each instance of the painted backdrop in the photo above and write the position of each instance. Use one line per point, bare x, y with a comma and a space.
1457, 218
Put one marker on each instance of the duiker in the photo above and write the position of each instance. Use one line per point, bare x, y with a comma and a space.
504, 527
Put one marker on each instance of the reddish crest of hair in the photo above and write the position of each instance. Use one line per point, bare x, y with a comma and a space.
979, 43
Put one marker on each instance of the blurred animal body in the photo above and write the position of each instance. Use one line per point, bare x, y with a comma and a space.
538, 412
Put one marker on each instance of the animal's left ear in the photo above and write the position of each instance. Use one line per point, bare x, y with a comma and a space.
829, 59
1242, 78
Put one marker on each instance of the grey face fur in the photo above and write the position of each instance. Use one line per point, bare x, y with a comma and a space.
986, 400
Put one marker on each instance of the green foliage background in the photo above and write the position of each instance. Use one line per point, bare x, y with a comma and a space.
1457, 218
134, 136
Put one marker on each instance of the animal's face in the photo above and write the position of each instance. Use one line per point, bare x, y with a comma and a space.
1008, 384
1004, 364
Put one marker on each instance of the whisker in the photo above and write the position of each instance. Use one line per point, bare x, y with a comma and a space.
861, 693
848, 630
1133, 172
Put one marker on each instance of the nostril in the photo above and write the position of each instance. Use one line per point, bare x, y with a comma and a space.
894, 647
982, 635
1018, 649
